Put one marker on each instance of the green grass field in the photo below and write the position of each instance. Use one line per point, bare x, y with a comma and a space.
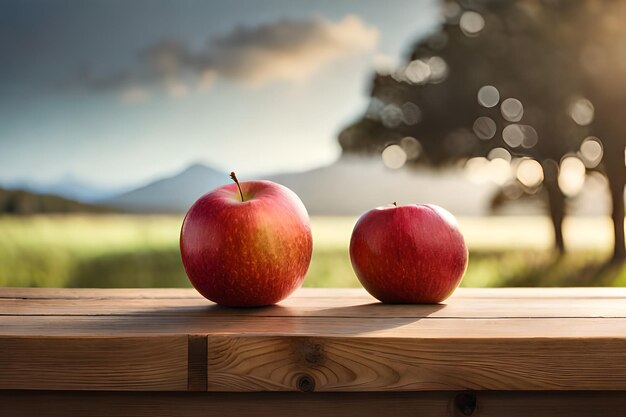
142, 251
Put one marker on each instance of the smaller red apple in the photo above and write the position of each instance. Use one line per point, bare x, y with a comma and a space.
408, 254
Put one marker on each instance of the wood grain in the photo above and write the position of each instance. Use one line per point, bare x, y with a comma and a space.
397, 404
257, 363
457, 308
84, 293
109, 363
356, 305
354, 328
335, 293
316, 340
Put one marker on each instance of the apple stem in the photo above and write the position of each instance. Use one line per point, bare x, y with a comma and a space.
234, 178
394, 203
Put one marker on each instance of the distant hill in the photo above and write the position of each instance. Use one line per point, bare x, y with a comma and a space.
172, 194
26, 202
67, 186
349, 186
354, 185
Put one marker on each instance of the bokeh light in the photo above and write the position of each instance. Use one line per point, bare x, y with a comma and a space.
512, 110
394, 156
571, 176
438, 69
516, 135
581, 111
411, 113
391, 116
411, 147
475, 169
530, 136
529, 173
499, 153
488, 96
591, 151
485, 128
451, 10
417, 72
513, 135
471, 23
481, 170
499, 171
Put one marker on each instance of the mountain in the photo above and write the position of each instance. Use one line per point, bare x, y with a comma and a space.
26, 202
172, 194
349, 186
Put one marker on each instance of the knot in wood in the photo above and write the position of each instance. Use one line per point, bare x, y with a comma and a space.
465, 402
305, 383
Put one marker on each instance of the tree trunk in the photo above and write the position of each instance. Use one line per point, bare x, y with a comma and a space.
556, 206
616, 185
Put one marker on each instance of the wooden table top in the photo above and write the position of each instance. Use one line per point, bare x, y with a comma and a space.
316, 340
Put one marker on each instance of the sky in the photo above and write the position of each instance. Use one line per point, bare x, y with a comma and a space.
115, 93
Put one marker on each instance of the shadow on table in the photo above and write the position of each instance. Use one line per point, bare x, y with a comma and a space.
343, 320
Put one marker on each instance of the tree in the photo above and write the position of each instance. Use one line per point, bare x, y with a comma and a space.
599, 45
504, 76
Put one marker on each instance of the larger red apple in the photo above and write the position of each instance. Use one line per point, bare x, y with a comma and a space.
408, 254
247, 246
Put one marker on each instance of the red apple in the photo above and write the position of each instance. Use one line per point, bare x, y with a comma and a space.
247, 244
408, 254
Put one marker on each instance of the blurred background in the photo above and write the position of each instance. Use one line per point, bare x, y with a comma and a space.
116, 116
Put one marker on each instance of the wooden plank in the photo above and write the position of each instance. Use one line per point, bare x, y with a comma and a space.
329, 308
507, 339
260, 363
401, 404
321, 307
74, 293
94, 363
431, 328
142, 293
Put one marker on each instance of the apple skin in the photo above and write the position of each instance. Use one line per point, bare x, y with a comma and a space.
411, 254
247, 254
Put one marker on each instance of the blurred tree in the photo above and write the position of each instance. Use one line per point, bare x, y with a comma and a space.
500, 81
599, 46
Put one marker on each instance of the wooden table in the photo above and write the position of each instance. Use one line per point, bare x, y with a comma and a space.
322, 352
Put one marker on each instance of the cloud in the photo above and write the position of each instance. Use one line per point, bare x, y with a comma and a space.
283, 50
287, 50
